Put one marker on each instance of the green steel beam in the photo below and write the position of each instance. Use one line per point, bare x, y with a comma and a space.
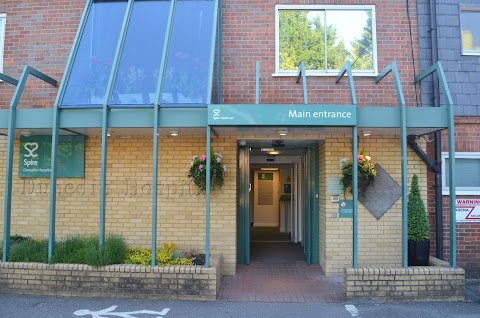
435, 118
257, 82
451, 153
392, 67
55, 124
156, 111
207, 200
355, 198
209, 132
212, 52
12, 120
8, 79
304, 83
105, 113
219, 53
347, 68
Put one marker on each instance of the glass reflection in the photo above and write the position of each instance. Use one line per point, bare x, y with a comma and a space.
92, 64
467, 172
470, 23
302, 38
349, 37
188, 62
325, 39
137, 75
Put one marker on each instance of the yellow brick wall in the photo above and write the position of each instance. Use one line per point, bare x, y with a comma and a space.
181, 213
379, 240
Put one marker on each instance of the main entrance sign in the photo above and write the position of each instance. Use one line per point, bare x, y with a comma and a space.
284, 115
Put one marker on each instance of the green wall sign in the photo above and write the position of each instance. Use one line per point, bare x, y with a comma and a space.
284, 115
345, 208
35, 154
265, 176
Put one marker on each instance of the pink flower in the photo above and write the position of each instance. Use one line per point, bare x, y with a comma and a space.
200, 167
360, 158
203, 157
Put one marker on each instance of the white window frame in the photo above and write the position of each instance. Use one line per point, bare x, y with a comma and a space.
459, 190
467, 8
278, 8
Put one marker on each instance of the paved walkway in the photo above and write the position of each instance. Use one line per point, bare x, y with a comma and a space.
277, 275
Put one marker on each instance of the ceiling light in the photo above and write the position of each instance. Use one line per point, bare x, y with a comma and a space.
274, 152
282, 132
109, 133
267, 149
174, 133
269, 169
26, 133
367, 132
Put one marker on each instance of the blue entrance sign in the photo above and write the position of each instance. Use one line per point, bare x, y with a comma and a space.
284, 115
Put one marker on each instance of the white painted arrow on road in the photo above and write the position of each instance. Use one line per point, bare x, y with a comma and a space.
109, 312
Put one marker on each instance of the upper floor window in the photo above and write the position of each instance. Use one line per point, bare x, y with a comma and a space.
3, 17
187, 67
324, 38
467, 170
470, 26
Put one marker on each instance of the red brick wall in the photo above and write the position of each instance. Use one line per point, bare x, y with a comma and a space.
38, 33
249, 35
467, 139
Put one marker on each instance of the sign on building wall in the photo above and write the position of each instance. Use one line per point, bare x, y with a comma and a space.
285, 115
35, 154
468, 210
345, 208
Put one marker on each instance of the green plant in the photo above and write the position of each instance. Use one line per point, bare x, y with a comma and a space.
29, 251
198, 171
417, 215
166, 256
85, 250
366, 171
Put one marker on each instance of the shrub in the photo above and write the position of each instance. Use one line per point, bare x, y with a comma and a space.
86, 250
166, 256
417, 215
29, 251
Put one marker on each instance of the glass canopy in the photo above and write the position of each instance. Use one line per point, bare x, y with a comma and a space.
187, 67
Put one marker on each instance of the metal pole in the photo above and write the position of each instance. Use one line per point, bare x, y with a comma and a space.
207, 201
12, 120
355, 197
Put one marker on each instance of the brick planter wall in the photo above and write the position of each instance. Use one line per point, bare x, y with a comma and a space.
437, 282
116, 281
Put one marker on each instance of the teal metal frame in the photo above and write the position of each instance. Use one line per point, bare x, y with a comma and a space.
347, 68
55, 127
392, 67
158, 98
12, 120
437, 67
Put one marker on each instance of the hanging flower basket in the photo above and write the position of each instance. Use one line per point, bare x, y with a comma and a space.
198, 172
366, 172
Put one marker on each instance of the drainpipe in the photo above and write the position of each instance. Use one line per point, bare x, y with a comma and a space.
437, 136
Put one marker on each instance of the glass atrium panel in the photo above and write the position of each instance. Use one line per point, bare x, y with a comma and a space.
92, 64
137, 75
188, 63
349, 37
302, 38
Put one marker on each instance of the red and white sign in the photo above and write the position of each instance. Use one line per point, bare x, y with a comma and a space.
468, 210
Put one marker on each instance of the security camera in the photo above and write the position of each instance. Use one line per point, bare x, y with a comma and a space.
242, 142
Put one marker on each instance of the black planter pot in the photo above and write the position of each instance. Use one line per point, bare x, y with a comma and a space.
418, 252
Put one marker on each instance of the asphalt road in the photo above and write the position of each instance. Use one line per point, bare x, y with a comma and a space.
18, 306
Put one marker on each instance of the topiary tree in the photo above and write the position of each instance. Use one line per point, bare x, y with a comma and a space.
417, 215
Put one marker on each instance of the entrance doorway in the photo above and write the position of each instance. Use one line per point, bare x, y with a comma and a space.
278, 202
